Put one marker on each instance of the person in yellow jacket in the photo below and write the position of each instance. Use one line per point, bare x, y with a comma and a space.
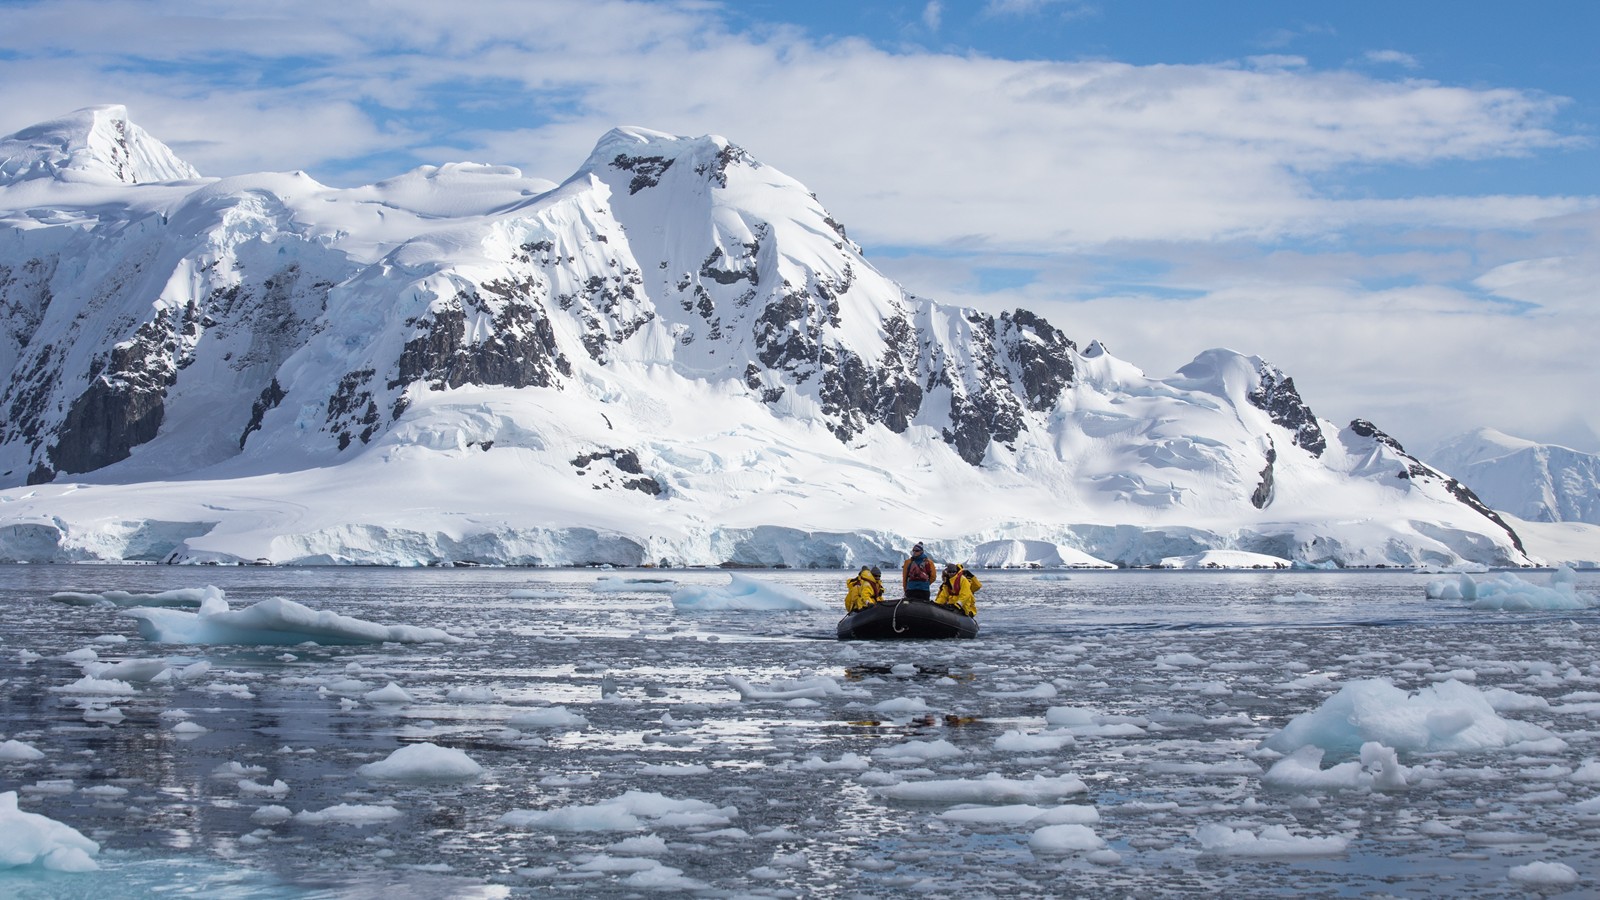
957, 588
865, 589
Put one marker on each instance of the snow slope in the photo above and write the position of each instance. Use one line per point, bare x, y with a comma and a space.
675, 355
1537, 482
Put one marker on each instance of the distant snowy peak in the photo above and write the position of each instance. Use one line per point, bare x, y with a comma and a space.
97, 143
1532, 481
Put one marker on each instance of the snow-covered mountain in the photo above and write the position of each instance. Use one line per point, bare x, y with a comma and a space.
1532, 481
674, 355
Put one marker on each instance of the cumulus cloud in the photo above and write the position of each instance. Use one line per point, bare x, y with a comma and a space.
1392, 58
1208, 198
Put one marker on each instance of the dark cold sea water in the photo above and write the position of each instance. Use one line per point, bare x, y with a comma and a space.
1183, 675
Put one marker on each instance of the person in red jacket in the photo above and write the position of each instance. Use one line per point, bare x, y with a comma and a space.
917, 574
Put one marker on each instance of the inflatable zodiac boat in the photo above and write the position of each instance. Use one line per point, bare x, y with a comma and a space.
901, 619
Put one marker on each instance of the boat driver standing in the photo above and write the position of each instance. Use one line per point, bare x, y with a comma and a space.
917, 574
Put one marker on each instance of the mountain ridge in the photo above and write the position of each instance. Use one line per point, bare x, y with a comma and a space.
236, 336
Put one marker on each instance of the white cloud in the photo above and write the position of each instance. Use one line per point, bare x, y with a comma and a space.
1069, 167
1392, 57
1065, 8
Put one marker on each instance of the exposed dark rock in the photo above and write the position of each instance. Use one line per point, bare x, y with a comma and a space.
647, 170
352, 411
625, 461
125, 401
1277, 397
1263, 492
521, 352
270, 397
1041, 355
716, 171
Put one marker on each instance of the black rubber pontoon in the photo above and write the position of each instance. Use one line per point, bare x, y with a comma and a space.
902, 619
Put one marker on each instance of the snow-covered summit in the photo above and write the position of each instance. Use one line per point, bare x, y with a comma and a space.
96, 144
1532, 481
676, 353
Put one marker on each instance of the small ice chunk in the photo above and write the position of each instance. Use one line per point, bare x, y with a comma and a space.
1273, 841
991, 788
1546, 873
17, 751
1020, 742
1062, 839
423, 763
815, 686
918, 751
347, 814
389, 693
549, 717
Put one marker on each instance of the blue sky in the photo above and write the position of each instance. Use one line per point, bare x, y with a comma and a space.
1397, 203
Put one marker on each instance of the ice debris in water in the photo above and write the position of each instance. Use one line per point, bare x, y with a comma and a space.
1445, 716
1507, 591
620, 585
625, 813
423, 763
816, 686
17, 751
277, 621
348, 814
28, 839
185, 597
1378, 769
1273, 841
1544, 873
743, 593
991, 788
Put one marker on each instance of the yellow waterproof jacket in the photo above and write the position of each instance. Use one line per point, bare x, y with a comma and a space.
957, 590
865, 590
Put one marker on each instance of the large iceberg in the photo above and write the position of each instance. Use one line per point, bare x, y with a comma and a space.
273, 622
1445, 716
31, 839
1508, 591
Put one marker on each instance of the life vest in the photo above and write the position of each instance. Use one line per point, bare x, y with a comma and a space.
918, 573
957, 590
865, 590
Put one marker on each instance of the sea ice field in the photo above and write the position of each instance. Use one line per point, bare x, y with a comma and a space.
338, 732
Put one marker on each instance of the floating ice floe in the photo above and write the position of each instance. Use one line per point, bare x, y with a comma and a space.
743, 593
1544, 873
1445, 716
918, 751
1508, 591
615, 584
29, 839
804, 688
140, 670
347, 814
277, 621
1273, 841
1059, 840
625, 813
1023, 814
1378, 769
548, 717
992, 788
17, 751
182, 597
423, 763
